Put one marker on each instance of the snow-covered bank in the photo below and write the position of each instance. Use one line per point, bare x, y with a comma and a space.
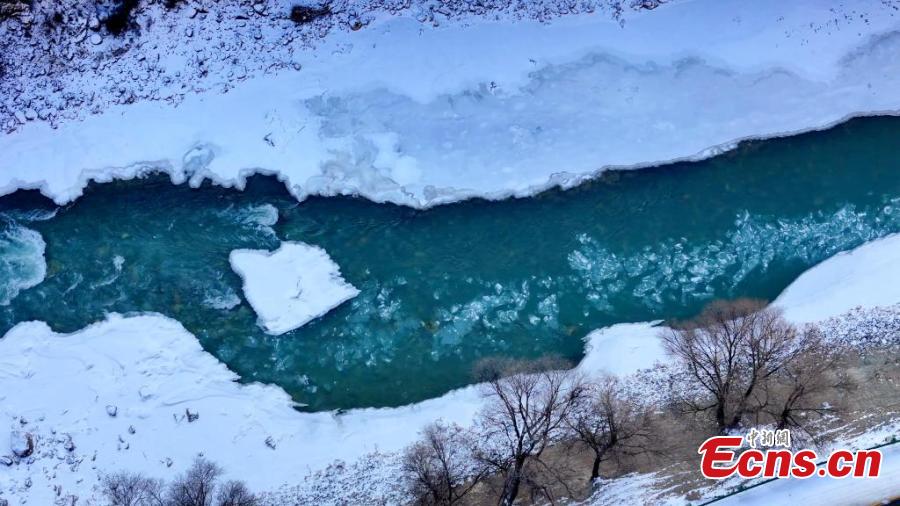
868, 276
290, 286
126, 391
420, 116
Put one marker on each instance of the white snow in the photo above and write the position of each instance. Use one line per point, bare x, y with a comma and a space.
828, 492
419, 115
868, 276
150, 370
291, 286
623, 349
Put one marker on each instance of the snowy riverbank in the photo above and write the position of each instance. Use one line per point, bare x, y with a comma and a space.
140, 393
420, 115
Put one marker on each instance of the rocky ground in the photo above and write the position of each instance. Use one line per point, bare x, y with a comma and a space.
63, 59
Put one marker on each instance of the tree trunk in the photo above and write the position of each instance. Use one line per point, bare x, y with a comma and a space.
595, 471
720, 417
511, 486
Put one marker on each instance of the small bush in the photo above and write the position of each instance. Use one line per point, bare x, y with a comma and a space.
131, 489
235, 493
195, 487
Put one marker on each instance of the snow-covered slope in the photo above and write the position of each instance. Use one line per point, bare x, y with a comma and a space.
829, 492
125, 393
290, 286
419, 115
867, 276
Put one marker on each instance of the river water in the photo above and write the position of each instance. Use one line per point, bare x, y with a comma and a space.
445, 287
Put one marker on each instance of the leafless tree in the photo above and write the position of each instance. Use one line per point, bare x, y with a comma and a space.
729, 352
611, 424
235, 493
441, 468
197, 486
132, 489
800, 387
527, 404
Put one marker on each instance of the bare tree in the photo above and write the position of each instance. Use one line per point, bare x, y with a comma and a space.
441, 468
197, 486
132, 489
611, 424
527, 404
235, 493
799, 388
729, 352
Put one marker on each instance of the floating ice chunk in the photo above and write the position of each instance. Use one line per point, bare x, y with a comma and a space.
222, 301
290, 286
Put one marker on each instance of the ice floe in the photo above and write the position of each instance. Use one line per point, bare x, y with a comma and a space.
290, 286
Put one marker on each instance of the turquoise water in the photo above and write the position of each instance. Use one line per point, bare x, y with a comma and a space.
444, 287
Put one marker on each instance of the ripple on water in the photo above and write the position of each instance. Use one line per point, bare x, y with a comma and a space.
258, 218
22, 263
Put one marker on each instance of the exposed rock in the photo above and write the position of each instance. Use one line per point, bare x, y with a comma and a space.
21, 444
301, 14
69, 445
112, 411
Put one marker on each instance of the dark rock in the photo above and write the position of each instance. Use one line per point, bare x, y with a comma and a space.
302, 14
21, 444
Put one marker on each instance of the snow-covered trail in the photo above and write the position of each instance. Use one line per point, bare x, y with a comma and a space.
419, 116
